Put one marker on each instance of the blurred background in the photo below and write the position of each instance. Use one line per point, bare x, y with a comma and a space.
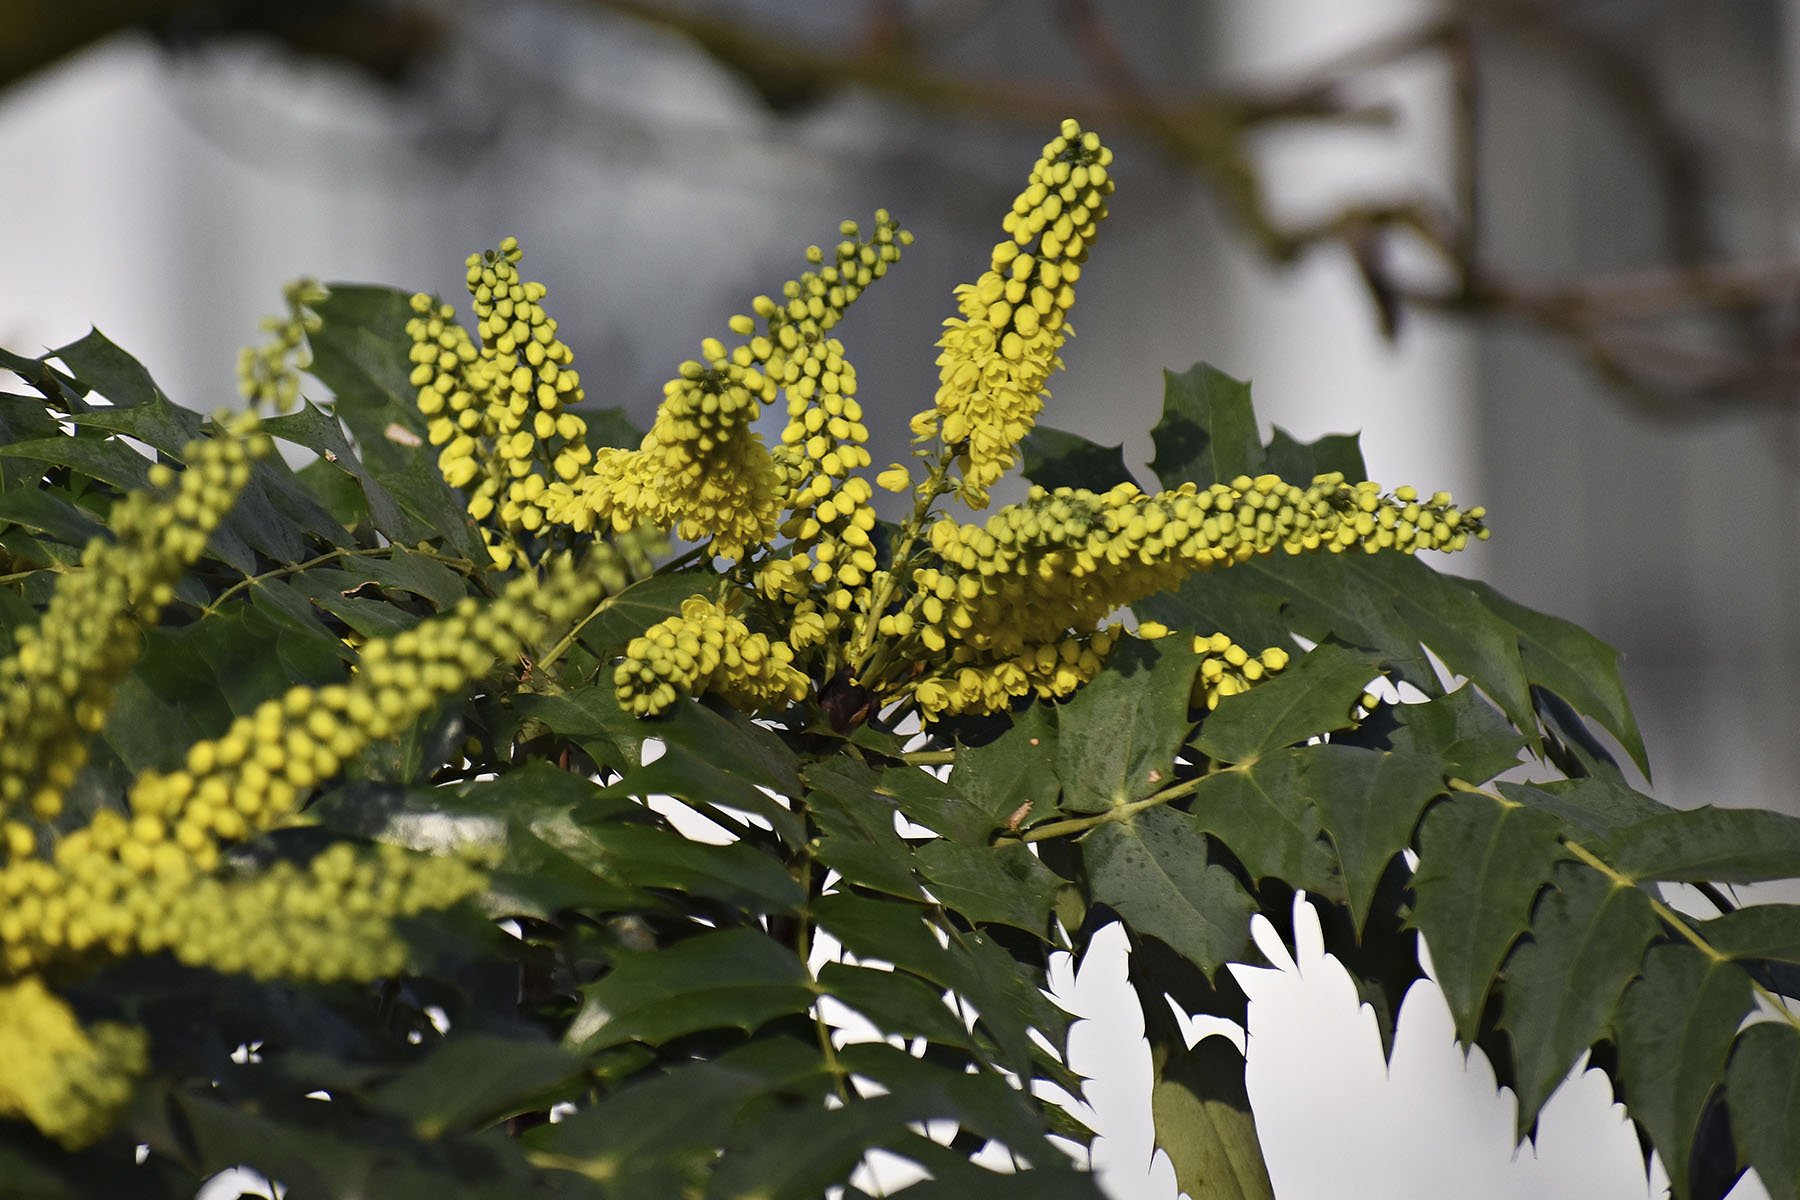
1543, 253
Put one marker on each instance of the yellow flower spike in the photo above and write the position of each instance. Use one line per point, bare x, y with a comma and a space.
68, 1081
56, 687
997, 356
270, 373
501, 410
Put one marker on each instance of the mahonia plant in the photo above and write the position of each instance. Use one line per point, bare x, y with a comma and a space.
415, 820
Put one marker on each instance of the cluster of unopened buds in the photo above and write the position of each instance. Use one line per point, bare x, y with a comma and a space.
938, 616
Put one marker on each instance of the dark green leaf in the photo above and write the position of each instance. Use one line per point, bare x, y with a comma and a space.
1264, 816
319, 431
1674, 1030
1369, 803
1207, 433
1587, 942
98, 458
1571, 662
1481, 864
1201, 1110
1003, 884
1301, 462
1762, 931
41, 510
943, 807
156, 422
1007, 783
718, 763
1389, 603
640, 606
896, 1002
1707, 844
1763, 1083
735, 979
475, 1079
658, 1137
100, 364
1313, 696
645, 857
611, 427
406, 570
1594, 806
1155, 870
1007, 998
1052, 459
858, 838
360, 353
1116, 740
1463, 731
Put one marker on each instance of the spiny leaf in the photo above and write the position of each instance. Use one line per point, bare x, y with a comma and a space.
319, 431
1052, 458
1594, 806
1002, 884
1314, 696
1462, 730
1481, 864
98, 362
897, 1002
737, 978
1302, 462
475, 1079
1369, 803
1761, 931
1571, 662
1207, 433
1011, 780
1117, 738
1675, 1028
647, 857
1154, 869
1588, 937
1263, 815
1201, 1110
1198, 1101
857, 838
1763, 1083
104, 459
1707, 844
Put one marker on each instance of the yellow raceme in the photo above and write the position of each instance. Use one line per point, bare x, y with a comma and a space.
157, 873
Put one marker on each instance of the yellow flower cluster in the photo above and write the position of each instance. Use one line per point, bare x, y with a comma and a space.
66, 1080
997, 356
1063, 560
332, 920
1227, 669
702, 470
57, 685
501, 413
270, 373
255, 776
976, 682
706, 649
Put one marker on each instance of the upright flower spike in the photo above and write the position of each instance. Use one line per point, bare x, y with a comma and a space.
702, 470
501, 412
270, 373
999, 354
56, 687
